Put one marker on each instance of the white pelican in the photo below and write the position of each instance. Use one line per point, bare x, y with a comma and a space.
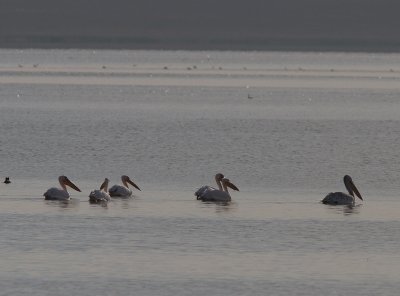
97, 196
341, 198
60, 194
219, 195
205, 189
122, 191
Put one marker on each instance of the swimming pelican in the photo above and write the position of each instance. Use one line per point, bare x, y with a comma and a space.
341, 198
217, 194
60, 194
97, 196
205, 189
122, 191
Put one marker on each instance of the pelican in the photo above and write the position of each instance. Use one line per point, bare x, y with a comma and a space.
219, 195
341, 198
205, 189
97, 196
122, 191
60, 194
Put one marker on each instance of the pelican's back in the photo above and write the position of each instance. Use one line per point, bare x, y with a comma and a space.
203, 190
56, 194
338, 198
98, 196
215, 195
119, 191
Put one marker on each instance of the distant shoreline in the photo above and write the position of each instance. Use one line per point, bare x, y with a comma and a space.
133, 43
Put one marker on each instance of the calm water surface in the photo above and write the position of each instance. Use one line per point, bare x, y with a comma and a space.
284, 127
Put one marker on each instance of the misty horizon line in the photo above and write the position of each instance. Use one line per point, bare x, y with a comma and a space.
227, 44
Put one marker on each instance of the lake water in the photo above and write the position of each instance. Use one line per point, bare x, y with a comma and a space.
284, 127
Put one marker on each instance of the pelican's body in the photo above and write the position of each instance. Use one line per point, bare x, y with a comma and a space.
341, 198
100, 195
216, 195
122, 190
206, 190
60, 193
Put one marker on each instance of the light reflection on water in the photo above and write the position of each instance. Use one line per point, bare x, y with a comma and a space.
347, 209
286, 149
151, 239
63, 204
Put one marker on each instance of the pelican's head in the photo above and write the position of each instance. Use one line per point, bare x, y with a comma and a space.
227, 183
126, 180
64, 181
219, 177
104, 186
351, 188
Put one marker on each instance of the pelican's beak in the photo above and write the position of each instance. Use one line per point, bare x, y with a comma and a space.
354, 189
133, 184
231, 185
72, 185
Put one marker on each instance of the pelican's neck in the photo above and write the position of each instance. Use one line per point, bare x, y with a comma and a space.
225, 188
125, 183
63, 186
104, 186
350, 191
219, 184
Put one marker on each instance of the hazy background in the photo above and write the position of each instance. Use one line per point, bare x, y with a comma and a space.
356, 25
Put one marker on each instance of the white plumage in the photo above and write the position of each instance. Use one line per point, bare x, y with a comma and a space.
206, 190
122, 191
100, 195
207, 193
60, 194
